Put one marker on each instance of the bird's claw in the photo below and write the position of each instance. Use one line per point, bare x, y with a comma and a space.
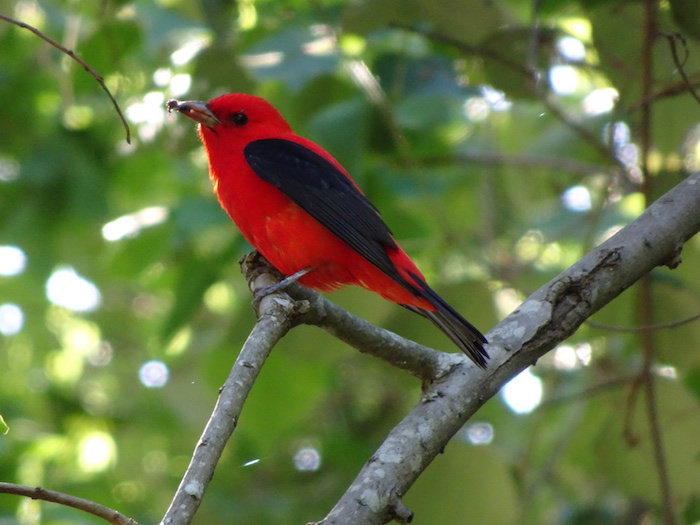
261, 293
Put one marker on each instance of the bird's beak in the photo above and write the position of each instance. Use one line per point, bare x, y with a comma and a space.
197, 111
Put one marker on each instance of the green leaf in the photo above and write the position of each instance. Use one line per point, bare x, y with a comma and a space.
691, 513
294, 55
687, 15
507, 54
467, 21
692, 381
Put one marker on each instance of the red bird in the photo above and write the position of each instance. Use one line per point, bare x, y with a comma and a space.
301, 210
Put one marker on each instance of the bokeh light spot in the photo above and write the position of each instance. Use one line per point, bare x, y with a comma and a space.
563, 79
571, 48
154, 374
131, 225
480, 433
577, 198
9, 169
66, 288
11, 319
307, 459
523, 393
477, 109
97, 451
13, 261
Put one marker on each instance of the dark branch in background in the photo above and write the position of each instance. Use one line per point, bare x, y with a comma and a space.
646, 380
107, 514
643, 328
546, 318
469, 49
672, 42
80, 61
671, 90
535, 162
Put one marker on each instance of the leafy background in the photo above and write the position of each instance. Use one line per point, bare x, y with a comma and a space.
118, 266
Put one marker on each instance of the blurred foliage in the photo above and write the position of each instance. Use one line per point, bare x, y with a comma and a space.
492, 181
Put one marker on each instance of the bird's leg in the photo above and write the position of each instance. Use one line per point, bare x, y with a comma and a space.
267, 290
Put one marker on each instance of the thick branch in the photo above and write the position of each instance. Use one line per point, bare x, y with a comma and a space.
546, 318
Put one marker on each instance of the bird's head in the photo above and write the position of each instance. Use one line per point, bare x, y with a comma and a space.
233, 117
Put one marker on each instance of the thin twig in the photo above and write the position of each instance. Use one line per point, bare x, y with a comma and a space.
668, 91
468, 49
672, 39
587, 393
424, 363
80, 61
276, 313
537, 162
107, 514
643, 328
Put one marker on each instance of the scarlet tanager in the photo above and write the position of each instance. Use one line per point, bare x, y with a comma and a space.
301, 210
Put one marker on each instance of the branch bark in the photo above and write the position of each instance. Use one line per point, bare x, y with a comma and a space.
275, 319
546, 318
107, 514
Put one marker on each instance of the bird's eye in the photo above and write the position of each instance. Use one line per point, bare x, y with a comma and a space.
239, 119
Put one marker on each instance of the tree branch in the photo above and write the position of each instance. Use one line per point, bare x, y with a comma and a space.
455, 388
423, 362
86, 66
546, 318
107, 514
276, 312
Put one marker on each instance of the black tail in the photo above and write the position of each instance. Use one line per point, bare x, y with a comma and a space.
453, 325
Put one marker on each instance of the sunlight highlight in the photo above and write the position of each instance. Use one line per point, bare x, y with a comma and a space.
148, 115
507, 300
577, 198
567, 357
480, 433
9, 169
154, 374
477, 109
571, 48
66, 288
600, 101
131, 225
563, 79
523, 393
192, 45
307, 459
11, 319
13, 261
96, 452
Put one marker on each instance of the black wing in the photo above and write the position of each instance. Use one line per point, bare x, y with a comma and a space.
325, 193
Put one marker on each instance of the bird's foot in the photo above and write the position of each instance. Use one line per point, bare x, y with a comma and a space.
272, 288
